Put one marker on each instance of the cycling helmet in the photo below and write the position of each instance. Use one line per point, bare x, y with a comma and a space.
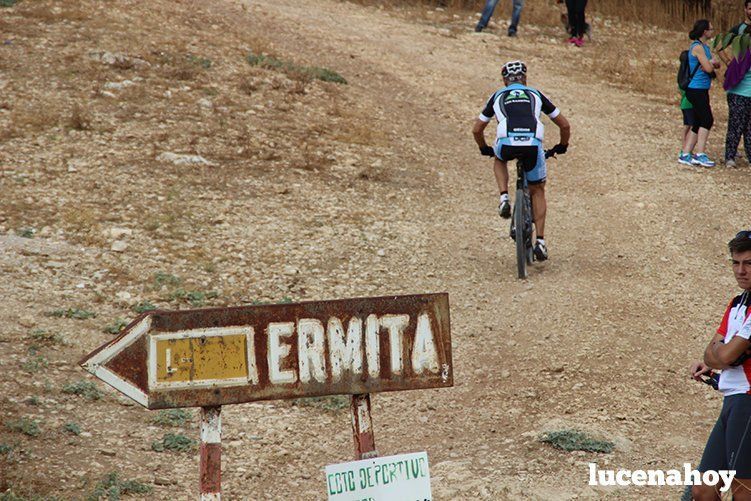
514, 68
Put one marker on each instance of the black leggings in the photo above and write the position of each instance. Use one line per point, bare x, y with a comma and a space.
699, 99
576, 16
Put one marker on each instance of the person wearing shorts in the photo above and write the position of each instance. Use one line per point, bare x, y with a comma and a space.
729, 443
519, 134
689, 119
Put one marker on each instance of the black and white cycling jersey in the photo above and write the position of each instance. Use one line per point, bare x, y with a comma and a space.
517, 109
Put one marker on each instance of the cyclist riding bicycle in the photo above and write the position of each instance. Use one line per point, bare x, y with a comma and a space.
519, 135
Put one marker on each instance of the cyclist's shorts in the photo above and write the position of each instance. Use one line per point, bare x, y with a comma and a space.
532, 157
729, 444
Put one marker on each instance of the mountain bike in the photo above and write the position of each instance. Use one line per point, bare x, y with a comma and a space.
522, 217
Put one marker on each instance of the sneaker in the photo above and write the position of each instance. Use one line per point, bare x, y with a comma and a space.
504, 209
571, 40
579, 41
479, 28
703, 160
685, 159
540, 250
512, 33
730, 163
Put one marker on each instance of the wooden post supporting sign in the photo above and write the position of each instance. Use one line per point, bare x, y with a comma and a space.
362, 427
211, 453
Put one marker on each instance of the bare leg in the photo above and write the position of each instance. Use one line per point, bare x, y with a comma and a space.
500, 169
539, 206
701, 141
690, 141
684, 136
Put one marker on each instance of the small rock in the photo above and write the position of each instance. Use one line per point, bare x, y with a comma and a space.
107, 93
118, 233
381, 252
27, 321
181, 159
164, 481
204, 103
123, 295
119, 246
105, 452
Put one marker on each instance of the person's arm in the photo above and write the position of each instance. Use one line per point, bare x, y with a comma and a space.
706, 64
719, 355
710, 359
565, 128
478, 130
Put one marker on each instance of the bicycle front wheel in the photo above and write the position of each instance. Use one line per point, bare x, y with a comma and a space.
520, 237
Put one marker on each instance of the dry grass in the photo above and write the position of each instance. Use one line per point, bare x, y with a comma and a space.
80, 118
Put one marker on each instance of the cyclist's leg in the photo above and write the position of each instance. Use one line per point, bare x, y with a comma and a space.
500, 169
536, 181
500, 166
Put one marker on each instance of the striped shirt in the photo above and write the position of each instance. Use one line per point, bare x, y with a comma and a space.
735, 322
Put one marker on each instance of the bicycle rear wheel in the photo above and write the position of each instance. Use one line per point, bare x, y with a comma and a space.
520, 236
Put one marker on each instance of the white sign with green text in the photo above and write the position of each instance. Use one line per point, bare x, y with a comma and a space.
405, 477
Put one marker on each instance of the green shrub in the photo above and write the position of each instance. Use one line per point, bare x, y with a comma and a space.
115, 327
111, 487
143, 307
72, 428
574, 440
43, 337
5, 449
161, 278
172, 417
26, 232
35, 364
270, 62
83, 388
174, 442
24, 425
8, 3
76, 313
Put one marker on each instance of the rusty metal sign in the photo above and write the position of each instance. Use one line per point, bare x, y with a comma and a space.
217, 356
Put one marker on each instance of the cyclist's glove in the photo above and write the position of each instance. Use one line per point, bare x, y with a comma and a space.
487, 151
560, 149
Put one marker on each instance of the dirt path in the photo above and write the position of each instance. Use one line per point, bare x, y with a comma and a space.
598, 337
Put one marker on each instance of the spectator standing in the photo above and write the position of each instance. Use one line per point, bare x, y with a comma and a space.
576, 20
702, 66
738, 86
487, 12
729, 443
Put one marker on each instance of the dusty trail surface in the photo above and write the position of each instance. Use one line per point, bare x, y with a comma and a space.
375, 187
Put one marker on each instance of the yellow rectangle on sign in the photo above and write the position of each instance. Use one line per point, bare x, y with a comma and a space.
201, 358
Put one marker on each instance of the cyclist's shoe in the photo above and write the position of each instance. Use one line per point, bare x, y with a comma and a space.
504, 209
685, 159
512, 233
730, 163
540, 250
703, 160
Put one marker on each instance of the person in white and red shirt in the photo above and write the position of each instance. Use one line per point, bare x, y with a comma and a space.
729, 444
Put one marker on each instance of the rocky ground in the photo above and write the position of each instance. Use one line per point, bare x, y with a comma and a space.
144, 161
